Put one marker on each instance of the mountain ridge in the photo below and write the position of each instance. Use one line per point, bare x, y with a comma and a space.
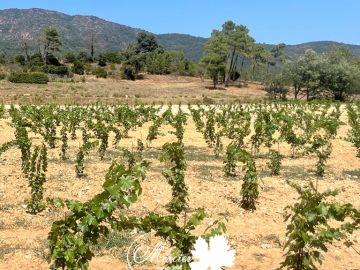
77, 30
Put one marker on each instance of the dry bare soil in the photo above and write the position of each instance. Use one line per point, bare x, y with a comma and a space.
153, 88
258, 237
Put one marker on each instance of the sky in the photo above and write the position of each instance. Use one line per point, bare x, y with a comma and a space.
288, 21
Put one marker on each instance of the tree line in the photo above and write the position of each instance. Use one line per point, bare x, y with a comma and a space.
231, 54
144, 55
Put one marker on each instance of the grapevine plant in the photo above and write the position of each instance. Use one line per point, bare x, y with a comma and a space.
80, 158
250, 187
36, 175
174, 153
274, 163
354, 121
70, 239
312, 227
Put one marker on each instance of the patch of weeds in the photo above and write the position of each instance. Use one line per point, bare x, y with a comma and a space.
6, 207
116, 243
197, 154
117, 95
353, 174
21, 222
207, 172
208, 101
272, 239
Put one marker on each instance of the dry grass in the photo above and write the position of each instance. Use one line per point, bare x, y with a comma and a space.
152, 89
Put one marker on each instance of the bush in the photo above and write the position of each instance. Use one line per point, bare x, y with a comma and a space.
70, 57
78, 68
31, 77
128, 72
102, 60
52, 60
88, 69
50, 69
84, 57
37, 69
20, 59
276, 88
112, 57
36, 60
59, 70
100, 73
158, 63
3, 76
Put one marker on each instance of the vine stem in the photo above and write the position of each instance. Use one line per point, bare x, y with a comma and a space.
358, 253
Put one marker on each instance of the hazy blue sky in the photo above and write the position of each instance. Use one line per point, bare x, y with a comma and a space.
289, 21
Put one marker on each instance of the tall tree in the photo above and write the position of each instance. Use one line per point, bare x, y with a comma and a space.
51, 42
93, 38
278, 51
277, 55
304, 72
215, 56
146, 43
239, 43
339, 74
259, 56
24, 43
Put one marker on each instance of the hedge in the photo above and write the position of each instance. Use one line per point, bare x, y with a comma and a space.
58, 70
31, 77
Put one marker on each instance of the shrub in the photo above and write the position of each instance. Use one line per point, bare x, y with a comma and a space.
36, 60
276, 88
78, 68
128, 72
112, 57
88, 69
100, 73
20, 59
84, 57
3, 76
52, 60
37, 69
102, 61
31, 77
70, 57
59, 70
158, 62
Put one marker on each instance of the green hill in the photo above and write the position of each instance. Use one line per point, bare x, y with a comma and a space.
77, 31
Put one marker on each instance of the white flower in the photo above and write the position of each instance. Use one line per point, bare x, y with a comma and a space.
214, 256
